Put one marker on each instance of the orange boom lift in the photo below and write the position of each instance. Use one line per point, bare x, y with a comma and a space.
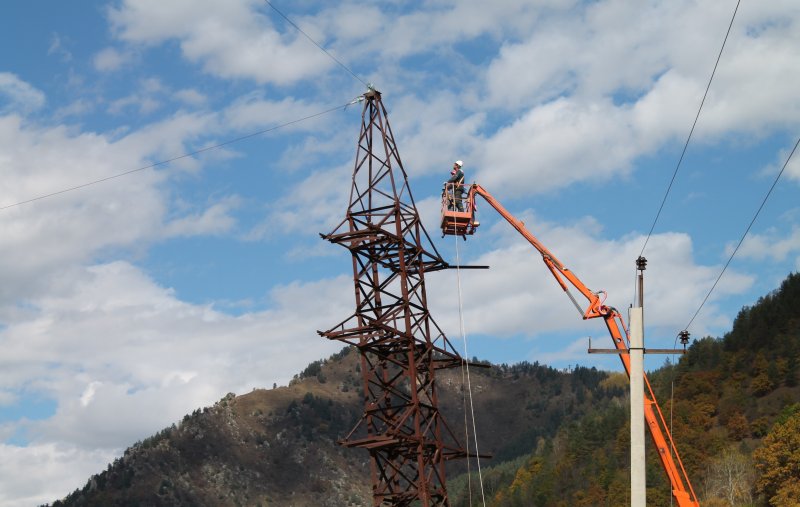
458, 218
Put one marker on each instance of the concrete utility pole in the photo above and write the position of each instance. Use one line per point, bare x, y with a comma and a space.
644, 410
638, 463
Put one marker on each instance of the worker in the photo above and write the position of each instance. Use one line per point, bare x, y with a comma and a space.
457, 180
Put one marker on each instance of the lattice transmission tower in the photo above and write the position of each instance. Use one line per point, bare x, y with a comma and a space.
400, 345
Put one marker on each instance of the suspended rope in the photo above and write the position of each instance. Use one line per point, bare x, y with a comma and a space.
465, 401
469, 386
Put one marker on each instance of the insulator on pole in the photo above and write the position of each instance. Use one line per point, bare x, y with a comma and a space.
641, 265
683, 336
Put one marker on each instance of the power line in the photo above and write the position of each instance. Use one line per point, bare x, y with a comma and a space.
345, 67
686, 145
745, 233
208, 148
173, 159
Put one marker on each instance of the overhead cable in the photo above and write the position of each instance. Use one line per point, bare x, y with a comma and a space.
697, 116
345, 67
173, 159
745, 233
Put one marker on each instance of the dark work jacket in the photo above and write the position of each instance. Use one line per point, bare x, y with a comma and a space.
458, 177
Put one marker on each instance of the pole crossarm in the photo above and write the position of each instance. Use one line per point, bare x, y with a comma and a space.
644, 349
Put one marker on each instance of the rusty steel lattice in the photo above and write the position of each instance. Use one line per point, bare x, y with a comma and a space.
400, 345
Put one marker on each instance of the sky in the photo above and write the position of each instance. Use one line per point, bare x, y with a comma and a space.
128, 303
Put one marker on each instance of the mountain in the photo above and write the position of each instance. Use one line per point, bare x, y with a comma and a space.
557, 437
278, 446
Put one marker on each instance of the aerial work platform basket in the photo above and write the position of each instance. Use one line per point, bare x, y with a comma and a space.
458, 210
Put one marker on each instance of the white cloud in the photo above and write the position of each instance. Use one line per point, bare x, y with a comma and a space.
115, 384
546, 94
166, 350
146, 99
110, 59
191, 97
616, 45
214, 220
353, 22
77, 108
58, 47
315, 150
773, 245
35, 474
7, 398
170, 137
231, 40
608, 47
518, 296
793, 168
436, 26
254, 112
558, 144
144, 104
588, 94
571, 353
246, 39
317, 203
19, 95
44, 237
588, 105
430, 142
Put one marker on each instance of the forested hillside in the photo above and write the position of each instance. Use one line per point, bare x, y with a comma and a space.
735, 418
557, 438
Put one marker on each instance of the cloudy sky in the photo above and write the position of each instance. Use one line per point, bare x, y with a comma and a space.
128, 303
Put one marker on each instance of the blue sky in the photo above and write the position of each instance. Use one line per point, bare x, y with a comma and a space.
129, 303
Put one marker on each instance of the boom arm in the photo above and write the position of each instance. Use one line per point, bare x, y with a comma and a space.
659, 431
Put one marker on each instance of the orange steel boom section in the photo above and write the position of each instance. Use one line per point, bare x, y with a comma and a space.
462, 223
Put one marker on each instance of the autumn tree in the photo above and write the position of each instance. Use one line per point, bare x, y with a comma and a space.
761, 384
778, 460
738, 426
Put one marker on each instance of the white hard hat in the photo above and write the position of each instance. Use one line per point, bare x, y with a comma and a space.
459, 163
